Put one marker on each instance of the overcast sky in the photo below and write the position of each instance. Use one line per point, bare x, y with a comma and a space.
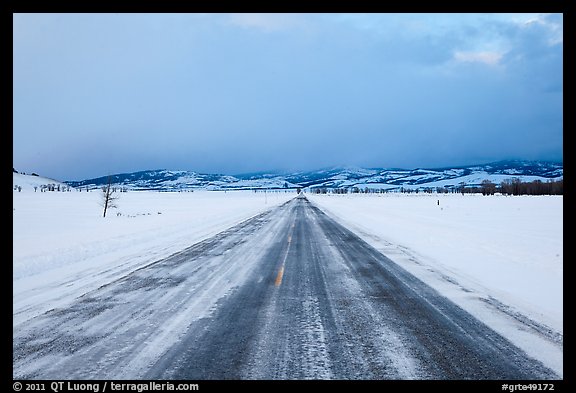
98, 94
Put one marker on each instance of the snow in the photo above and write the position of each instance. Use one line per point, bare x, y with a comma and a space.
498, 257
64, 248
30, 181
437, 179
424, 178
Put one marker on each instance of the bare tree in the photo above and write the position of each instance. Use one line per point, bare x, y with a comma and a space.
487, 187
108, 197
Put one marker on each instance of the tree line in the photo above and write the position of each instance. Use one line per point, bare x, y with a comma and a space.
517, 187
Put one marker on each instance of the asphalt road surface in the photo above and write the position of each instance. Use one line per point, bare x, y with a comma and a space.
288, 294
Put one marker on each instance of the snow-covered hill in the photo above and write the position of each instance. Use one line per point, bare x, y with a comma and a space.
22, 181
376, 178
167, 180
496, 172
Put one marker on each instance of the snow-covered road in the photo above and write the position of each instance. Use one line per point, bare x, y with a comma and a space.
288, 294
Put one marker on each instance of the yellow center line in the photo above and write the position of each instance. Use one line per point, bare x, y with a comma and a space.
280, 274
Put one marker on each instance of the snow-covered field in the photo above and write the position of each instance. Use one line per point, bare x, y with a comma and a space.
63, 247
500, 258
485, 253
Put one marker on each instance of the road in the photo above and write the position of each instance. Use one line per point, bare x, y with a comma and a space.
288, 294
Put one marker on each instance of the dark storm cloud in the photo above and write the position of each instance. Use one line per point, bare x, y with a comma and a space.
96, 94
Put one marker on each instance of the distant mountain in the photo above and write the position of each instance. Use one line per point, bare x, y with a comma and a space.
165, 180
380, 178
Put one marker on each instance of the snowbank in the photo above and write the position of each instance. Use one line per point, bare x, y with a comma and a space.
500, 258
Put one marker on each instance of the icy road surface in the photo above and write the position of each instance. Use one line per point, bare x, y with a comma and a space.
288, 294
